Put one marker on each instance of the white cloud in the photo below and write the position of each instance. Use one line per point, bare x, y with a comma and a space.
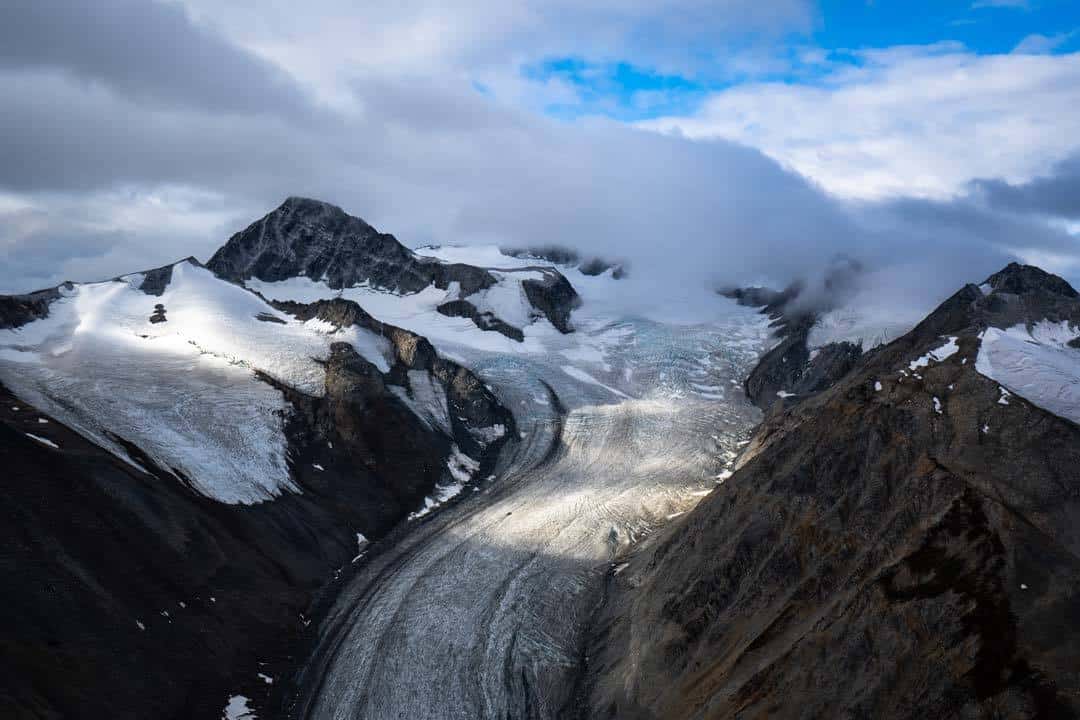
331, 42
1037, 44
122, 172
906, 121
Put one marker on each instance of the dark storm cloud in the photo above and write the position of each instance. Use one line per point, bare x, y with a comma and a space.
63, 135
1056, 194
146, 50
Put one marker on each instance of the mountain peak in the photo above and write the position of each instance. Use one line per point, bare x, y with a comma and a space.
1022, 279
299, 203
312, 238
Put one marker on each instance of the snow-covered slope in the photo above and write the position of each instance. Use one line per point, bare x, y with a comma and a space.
419, 311
183, 389
1036, 363
306, 239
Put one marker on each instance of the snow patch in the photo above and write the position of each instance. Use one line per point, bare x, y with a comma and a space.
944, 352
43, 441
461, 468
488, 435
877, 386
237, 709
1035, 363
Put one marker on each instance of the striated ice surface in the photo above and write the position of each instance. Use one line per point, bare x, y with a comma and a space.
1036, 364
479, 610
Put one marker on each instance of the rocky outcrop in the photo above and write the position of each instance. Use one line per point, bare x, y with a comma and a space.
791, 371
119, 574
17, 310
899, 545
155, 281
133, 595
316, 240
1017, 279
554, 297
482, 320
313, 239
472, 409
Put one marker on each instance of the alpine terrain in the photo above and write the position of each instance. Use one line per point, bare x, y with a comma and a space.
323, 475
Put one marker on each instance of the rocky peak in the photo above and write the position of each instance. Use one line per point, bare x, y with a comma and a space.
1024, 279
317, 240
913, 499
314, 239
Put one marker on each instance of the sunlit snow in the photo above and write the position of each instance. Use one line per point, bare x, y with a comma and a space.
183, 390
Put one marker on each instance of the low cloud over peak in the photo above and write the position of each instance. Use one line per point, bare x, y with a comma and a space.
171, 127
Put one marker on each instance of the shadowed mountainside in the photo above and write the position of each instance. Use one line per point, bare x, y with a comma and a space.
901, 545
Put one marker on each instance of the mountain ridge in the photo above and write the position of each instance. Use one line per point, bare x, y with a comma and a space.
899, 544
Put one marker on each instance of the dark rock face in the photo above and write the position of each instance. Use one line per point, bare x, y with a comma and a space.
320, 241
472, 407
790, 372
134, 596
767, 298
17, 310
317, 240
267, 317
220, 591
554, 297
155, 281
1019, 279
906, 552
484, 321
598, 266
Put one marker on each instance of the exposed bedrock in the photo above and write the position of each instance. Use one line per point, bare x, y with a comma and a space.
122, 571
902, 544
313, 239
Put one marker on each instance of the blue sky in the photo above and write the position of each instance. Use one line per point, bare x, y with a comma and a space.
627, 91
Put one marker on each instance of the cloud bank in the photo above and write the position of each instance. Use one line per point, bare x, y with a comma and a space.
159, 130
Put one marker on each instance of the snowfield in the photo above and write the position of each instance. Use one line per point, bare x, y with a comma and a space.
183, 390
1036, 364
862, 322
